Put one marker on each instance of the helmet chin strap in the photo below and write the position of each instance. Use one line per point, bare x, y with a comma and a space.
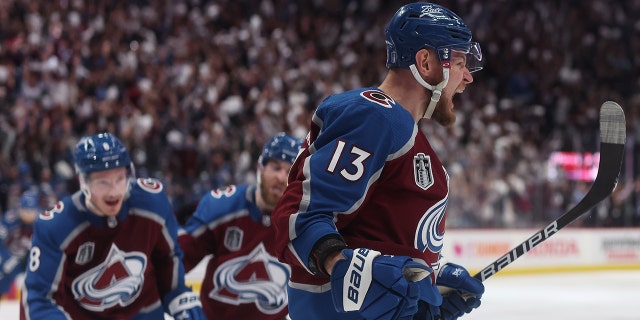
259, 200
87, 198
436, 90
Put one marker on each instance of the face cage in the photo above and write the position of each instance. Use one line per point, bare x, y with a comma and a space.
472, 52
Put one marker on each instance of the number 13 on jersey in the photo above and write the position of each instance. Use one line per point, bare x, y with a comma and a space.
355, 170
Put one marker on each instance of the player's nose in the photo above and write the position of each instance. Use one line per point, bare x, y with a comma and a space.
467, 77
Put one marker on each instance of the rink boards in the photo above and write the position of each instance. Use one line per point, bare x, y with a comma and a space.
571, 249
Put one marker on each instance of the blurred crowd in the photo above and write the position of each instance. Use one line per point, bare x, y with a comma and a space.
195, 87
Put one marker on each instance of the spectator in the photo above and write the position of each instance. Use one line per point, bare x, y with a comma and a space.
226, 75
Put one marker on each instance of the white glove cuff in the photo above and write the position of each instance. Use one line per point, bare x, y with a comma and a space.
184, 301
360, 271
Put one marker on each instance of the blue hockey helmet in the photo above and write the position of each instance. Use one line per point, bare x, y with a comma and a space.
282, 146
30, 200
421, 24
99, 152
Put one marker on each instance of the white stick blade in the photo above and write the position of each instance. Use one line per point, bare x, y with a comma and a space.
613, 128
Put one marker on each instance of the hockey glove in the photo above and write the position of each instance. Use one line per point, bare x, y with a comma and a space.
377, 286
466, 294
186, 306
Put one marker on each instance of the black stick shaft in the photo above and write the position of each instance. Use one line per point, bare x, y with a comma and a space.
611, 155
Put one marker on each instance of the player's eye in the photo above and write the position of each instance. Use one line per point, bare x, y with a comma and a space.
101, 183
459, 62
458, 59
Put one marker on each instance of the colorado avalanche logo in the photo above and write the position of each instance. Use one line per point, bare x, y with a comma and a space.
116, 281
256, 278
150, 185
428, 235
378, 97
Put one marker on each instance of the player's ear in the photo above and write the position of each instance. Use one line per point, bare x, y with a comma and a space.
422, 60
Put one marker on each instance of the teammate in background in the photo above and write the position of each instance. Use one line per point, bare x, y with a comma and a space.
15, 237
110, 250
363, 218
243, 279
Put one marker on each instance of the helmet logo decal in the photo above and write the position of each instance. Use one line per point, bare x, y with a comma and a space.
437, 13
430, 11
422, 172
378, 97
87, 143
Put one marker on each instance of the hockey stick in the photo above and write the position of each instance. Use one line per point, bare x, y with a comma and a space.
612, 140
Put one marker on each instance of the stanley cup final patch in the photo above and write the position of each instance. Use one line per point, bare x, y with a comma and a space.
422, 172
233, 238
85, 253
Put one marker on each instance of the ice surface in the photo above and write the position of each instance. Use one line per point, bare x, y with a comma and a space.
593, 295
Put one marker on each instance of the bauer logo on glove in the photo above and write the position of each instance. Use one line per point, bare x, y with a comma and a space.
359, 278
375, 285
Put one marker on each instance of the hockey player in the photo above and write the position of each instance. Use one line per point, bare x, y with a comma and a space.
243, 279
110, 250
16, 229
363, 218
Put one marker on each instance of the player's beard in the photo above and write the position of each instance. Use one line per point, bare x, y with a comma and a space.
443, 113
268, 196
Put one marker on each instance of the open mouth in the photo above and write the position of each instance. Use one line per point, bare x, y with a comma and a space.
277, 190
112, 203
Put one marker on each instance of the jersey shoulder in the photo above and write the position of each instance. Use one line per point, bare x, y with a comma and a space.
57, 222
371, 113
150, 195
148, 187
224, 201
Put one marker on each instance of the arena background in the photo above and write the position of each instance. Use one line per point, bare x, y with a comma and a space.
194, 88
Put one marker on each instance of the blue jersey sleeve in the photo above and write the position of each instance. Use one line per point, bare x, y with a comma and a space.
356, 136
45, 254
216, 204
198, 238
